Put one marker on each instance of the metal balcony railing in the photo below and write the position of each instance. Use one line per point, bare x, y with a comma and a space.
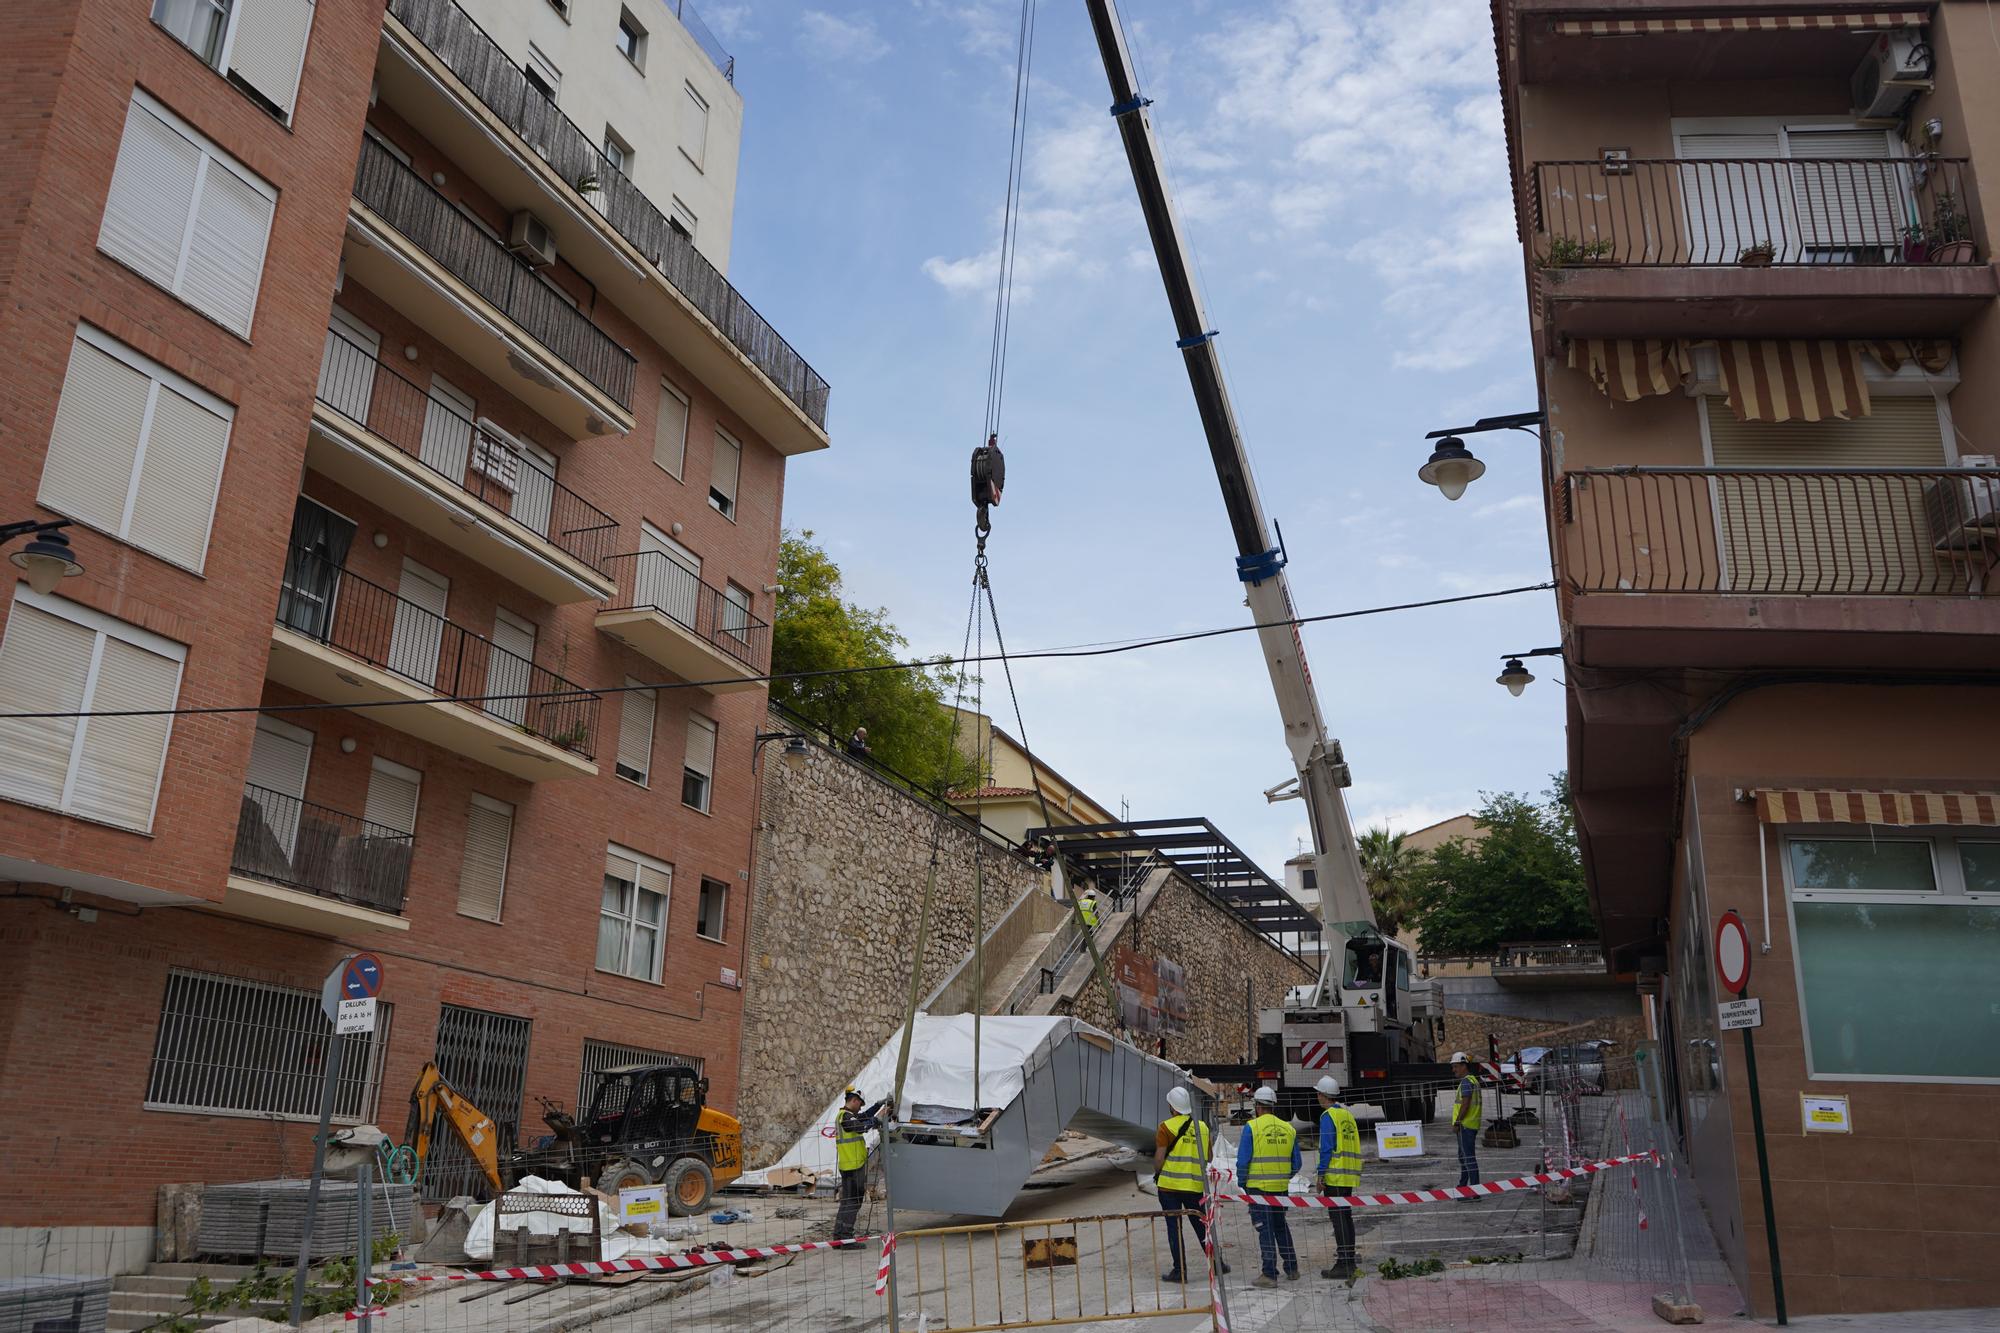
482, 66
407, 202
283, 840
1545, 956
365, 620
1753, 212
1841, 532
465, 453
703, 38
655, 581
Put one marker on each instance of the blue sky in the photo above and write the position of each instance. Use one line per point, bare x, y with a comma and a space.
1340, 172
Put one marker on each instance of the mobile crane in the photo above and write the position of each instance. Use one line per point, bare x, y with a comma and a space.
1366, 1020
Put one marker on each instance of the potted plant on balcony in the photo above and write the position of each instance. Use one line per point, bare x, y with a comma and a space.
1565, 251
1916, 246
1758, 254
1951, 231
571, 739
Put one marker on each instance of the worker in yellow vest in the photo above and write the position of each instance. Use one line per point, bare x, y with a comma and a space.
1181, 1152
1468, 1109
1087, 905
850, 1149
1339, 1172
1267, 1157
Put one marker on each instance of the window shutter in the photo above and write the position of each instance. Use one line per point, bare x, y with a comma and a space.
392, 796
621, 867
510, 668
694, 125
232, 223
1841, 205
152, 192
179, 476
670, 431
279, 759
88, 472
482, 876
635, 731
118, 766
655, 879
44, 667
701, 745
728, 463
270, 48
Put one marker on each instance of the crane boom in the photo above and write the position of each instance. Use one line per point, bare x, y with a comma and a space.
1344, 902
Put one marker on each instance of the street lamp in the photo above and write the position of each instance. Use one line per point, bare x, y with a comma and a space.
1452, 467
47, 560
1515, 676
795, 752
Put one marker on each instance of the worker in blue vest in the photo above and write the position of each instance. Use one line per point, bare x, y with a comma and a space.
1339, 1172
850, 1139
1267, 1157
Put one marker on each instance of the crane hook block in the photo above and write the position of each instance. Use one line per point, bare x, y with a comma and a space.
989, 473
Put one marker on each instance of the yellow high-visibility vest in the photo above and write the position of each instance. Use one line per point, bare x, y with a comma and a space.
851, 1150
1272, 1141
1343, 1168
1186, 1168
1088, 906
1473, 1111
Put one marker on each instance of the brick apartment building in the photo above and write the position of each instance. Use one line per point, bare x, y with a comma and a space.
1758, 244
366, 376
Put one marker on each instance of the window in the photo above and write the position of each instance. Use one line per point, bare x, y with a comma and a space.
542, 72
698, 769
347, 366
231, 1047
280, 755
416, 626
617, 152
669, 576
561, 7
482, 875
392, 796
599, 1056
1882, 926
670, 431
58, 657
510, 667
260, 46
484, 1055
631, 922
631, 39
311, 585
722, 475
186, 216
714, 907
694, 125
136, 451
735, 611
635, 733
1814, 212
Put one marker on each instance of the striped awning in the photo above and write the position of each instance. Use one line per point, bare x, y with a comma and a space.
1872, 21
1933, 354
1894, 808
1792, 379
1628, 369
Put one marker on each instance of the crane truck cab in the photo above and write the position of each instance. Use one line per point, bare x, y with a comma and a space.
1367, 1030
646, 1124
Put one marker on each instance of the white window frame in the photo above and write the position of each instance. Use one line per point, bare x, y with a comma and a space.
628, 24
722, 912
640, 861
690, 95
545, 69
511, 813
678, 211
707, 778
734, 493
389, 768
186, 388
669, 388
1948, 889
618, 765
232, 19
104, 627
617, 152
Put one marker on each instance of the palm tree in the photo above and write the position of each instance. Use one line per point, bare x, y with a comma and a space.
1388, 865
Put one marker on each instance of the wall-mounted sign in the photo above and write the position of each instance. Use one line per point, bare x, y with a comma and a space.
1401, 1138
1152, 992
1824, 1115
1732, 953
1740, 1014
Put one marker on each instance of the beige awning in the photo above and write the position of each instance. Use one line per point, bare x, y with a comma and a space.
1791, 379
1933, 354
1628, 369
1894, 808
1873, 21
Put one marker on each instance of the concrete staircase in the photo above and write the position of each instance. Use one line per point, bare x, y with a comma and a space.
158, 1295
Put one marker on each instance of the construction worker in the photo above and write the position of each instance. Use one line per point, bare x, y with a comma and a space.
850, 1140
1181, 1151
1339, 1171
1267, 1157
1467, 1110
1088, 906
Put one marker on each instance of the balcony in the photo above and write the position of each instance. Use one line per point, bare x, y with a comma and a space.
690, 628
464, 482
1552, 964
1819, 247
341, 638
412, 246
440, 70
312, 868
1854, 568
1618, 42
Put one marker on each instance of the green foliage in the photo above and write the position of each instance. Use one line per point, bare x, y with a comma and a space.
1563, 251
1522, 881
1394, 1269
268, 1291
1513, 1258
1390, 867
816, 628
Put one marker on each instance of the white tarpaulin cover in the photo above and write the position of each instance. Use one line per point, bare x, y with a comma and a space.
617, 1244
939, 1078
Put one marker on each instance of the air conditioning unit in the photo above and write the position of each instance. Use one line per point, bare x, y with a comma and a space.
1897, 66
529, 237
1964, 512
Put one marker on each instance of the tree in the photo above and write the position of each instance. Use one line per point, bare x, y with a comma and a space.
815, 629
1522, 881
1390, 867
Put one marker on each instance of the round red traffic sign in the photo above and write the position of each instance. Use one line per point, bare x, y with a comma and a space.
1732, 953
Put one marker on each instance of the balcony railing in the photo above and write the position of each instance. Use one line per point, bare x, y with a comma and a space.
576, 156
283, 840
1540, 957
703, 38
1840, 532
407, 202
365, 620
1753, 212
465, 453
655, 581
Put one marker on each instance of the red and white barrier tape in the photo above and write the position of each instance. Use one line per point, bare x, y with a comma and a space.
647, 1264
364, 1314
882, 1269
1433, 1196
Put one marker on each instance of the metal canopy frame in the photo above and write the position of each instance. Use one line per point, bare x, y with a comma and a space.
1203, 854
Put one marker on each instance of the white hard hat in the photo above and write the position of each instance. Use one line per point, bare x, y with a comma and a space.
1265, 1094
1458, 1058
1178, 1099
1328, 1086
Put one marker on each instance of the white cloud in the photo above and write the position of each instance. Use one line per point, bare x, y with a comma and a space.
830, 36
1406, 817
1513, 504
